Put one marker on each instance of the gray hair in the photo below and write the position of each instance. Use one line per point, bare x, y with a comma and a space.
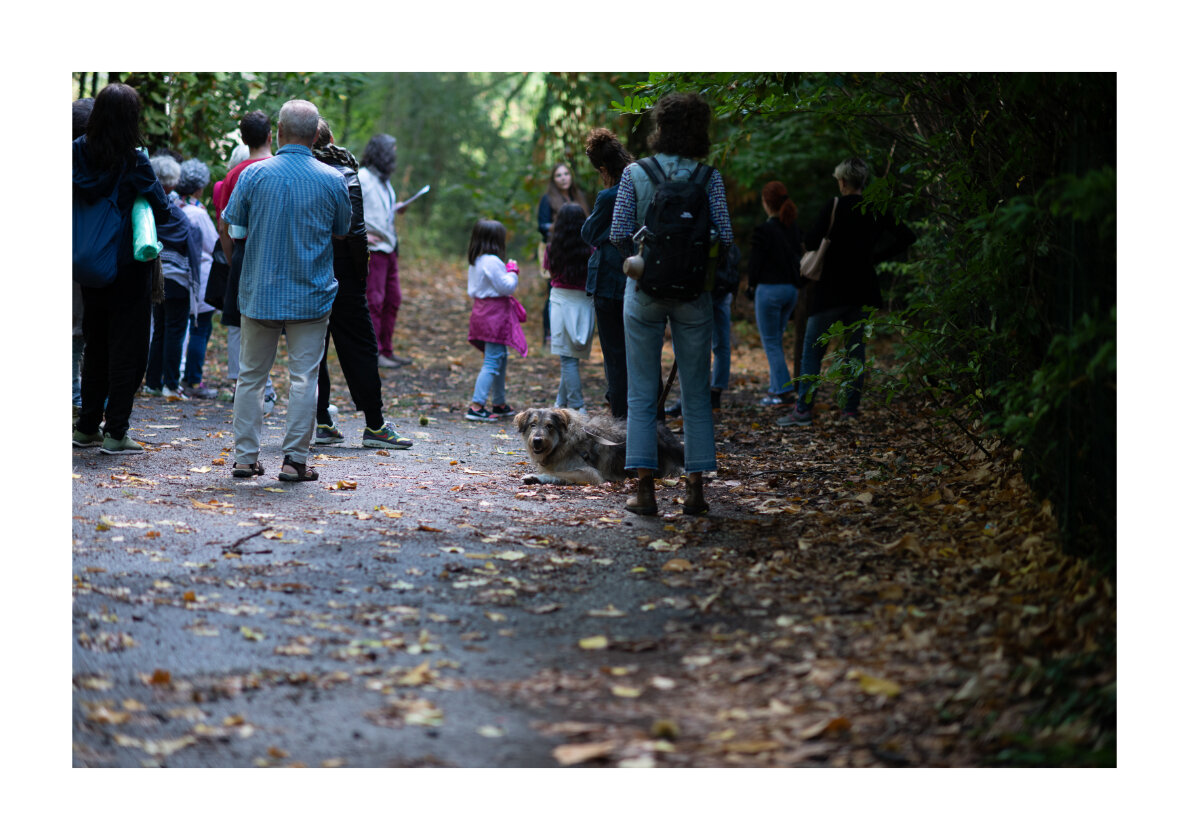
238, 155
852, 172
168, 170
299, 119
194, 176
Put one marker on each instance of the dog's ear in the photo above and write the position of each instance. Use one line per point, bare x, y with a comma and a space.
562, 417
522, 420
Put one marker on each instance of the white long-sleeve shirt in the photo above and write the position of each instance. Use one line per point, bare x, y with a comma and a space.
489, 278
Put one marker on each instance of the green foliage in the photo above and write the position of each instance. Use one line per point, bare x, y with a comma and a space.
1005, 319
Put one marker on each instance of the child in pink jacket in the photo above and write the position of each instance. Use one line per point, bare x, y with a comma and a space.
496, 317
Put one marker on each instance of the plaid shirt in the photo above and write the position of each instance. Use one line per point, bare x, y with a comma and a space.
291, 205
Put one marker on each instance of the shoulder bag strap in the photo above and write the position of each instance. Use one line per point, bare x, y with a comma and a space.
833, 209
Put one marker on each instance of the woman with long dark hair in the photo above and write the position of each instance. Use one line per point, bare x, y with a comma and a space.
561, 190
571, 310
605, 279
107, 161
774, 275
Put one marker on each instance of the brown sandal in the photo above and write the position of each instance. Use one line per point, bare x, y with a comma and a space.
304, 472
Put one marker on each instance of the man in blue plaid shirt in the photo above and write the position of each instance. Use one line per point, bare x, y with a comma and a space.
292, 206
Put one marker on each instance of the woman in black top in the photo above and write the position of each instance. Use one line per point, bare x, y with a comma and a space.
774, 274
848, 282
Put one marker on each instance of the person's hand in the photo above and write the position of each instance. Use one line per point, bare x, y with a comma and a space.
511, 266
372, 238
400, 211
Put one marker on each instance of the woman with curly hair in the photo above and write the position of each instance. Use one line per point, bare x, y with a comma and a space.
682, 135
605, 279
571, 311
562, 190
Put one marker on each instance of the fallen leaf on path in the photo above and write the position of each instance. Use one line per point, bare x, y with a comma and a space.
677, 564
569, 754
593, 643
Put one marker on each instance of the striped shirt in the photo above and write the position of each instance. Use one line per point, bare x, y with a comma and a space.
291, 205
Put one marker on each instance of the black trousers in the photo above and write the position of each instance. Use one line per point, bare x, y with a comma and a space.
355, 342
609, 317
116, 331
171, 317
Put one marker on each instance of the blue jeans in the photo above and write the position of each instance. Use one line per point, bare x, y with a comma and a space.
569, 390
491, 376
200, 334
811, 362
721, 344
692, 326
774, 307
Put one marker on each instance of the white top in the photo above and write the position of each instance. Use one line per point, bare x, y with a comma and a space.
379, 203
488, 278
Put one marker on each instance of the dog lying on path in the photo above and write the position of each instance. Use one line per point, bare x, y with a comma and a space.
571, 448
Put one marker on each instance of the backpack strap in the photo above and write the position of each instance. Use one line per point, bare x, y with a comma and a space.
701, 175
653, 170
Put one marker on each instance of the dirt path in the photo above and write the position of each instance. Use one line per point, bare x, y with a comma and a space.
851, 600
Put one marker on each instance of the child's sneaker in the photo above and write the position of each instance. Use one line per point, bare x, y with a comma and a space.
385, 437
150, 392
126, 446
174, 393
480, 414
327, 435
504, 410
82, 439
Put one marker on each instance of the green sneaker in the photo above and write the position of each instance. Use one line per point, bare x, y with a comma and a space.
385, 437
82, 439
127, 446
328, 435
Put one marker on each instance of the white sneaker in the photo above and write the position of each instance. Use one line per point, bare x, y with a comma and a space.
171, 394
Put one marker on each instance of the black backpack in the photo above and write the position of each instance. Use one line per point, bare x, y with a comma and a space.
677, 245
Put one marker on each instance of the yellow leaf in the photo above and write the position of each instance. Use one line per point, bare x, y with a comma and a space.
345, 484
607, 612
874, 685
200, 469
490, 731
510, 555
932, 499
593, 643
421, 675
661, 545
677, 564
494, 616
626, 691
250, 634
865, 498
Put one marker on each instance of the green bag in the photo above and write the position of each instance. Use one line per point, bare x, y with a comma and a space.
145, 246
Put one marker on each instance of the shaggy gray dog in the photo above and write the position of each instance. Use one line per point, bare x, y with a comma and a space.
571, 448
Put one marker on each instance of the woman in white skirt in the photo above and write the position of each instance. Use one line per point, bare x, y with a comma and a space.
571, 310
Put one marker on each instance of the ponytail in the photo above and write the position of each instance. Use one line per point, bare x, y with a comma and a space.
777, 197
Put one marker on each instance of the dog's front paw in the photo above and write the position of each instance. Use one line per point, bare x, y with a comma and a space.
531, 479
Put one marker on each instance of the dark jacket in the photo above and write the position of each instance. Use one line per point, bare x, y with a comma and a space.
350, 254
775, 254
137, 179
604, 272
858, 241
